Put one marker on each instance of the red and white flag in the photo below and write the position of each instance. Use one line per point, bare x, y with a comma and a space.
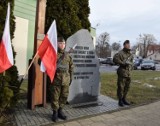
48, 52
6, 54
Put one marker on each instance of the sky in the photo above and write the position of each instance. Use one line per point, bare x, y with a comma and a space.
125, 19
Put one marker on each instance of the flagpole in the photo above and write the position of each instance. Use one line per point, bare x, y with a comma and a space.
3, 78
28, 67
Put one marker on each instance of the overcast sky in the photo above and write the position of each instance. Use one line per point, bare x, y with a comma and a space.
126, 19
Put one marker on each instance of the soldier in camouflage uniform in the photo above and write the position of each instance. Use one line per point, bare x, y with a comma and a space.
125, 61
63, 77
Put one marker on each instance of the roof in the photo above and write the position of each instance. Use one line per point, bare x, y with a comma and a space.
154, 47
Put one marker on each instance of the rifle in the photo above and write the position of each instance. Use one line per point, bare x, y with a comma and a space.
128, 60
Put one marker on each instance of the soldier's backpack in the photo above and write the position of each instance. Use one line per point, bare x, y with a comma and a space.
115, 57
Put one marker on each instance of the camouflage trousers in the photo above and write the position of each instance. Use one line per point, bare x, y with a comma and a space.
59, 95
123, 85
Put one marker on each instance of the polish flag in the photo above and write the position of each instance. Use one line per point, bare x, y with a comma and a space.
48, 52
6, 54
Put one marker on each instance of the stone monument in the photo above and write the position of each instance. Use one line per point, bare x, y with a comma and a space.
85, 85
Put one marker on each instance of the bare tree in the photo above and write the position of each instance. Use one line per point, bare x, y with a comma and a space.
146, 40
104, 39
103, 47
116, 46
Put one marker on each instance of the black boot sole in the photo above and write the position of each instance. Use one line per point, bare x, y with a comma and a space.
127, 104
121, 105
63, 118
55, 120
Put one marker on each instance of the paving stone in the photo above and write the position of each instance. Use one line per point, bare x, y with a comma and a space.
125, 123
85, 122
97, 119
119, 113
107, 116
43, 115
110, 122
98, 124
137, 118
74, 123
147, 115
120, 119
59, 125
127, 112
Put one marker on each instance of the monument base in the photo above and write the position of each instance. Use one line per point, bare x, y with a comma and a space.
83, 98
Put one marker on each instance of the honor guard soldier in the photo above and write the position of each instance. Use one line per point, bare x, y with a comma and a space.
63, 78
124, 59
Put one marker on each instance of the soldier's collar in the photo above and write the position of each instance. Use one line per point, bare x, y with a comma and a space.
126, 50
60, 50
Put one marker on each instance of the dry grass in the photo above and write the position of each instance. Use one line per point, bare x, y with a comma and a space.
145, 86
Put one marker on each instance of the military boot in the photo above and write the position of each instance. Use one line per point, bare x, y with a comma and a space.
125, 102
55, 116
120, 103
61, 115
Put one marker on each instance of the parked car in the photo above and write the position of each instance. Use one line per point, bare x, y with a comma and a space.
110, 61
135, 66
137, 63
102, 60
148, 65
156, 62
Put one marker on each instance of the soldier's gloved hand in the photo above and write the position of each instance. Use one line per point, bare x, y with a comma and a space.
39, 61
123, 63
128, 63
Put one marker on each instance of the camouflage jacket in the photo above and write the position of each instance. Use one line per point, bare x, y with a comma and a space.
120, 59
64, 72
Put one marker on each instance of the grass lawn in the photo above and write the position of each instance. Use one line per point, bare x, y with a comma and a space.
145, 86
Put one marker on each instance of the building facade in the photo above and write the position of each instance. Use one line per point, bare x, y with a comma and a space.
93, 34
23, 42
153, 52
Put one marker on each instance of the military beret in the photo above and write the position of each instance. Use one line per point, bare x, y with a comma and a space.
126, 42
61, 39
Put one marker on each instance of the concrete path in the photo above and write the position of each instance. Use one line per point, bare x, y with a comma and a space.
147, 115
42, 116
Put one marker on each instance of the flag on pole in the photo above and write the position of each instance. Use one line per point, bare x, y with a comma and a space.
48, 52
6, 54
